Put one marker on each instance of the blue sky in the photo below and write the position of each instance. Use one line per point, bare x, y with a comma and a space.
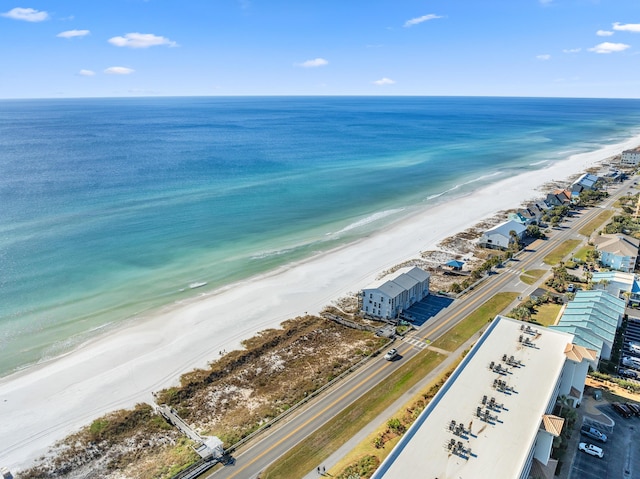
98, 48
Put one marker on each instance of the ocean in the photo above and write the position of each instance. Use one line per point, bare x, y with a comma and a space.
113, 208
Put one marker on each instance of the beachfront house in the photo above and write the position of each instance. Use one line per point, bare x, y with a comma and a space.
617, 251
558, 198
498, 413
529, 215
503, 235
630, 158
387, 298
585, 182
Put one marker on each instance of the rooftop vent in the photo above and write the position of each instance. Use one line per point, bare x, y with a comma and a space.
511, 361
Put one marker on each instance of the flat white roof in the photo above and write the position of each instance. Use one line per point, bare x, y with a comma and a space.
499, 447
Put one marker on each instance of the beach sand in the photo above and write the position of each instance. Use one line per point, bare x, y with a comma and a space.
44, 403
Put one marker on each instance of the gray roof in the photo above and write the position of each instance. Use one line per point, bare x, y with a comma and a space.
617, 244
404, 279
506, 227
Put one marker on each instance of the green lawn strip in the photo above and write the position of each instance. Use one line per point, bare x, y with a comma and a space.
595, 223
531, 276
546, 314
561, 252
306, 455
466, 328
581, 254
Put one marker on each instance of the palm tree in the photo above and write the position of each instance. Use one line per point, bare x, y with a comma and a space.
563, 401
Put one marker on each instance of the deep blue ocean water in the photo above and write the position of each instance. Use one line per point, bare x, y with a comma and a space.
110, 208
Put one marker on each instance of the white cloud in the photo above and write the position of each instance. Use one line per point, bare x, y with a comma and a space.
571, 50
543, 57
73, 33
86, 73
316, 62
604, 33
608, 47
423, 18
119, 71
627, 27
141, 40
26, 14
384, 81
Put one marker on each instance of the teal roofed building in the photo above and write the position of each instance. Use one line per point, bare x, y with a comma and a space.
593, 317
582, 336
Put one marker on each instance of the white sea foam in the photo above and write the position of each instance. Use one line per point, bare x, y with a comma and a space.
367, 220
460, 185
541, 162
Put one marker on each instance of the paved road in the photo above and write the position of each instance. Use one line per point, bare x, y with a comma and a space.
266, 449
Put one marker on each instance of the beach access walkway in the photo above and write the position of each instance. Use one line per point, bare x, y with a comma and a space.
208, 447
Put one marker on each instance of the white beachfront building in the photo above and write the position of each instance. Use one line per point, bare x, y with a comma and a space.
499, 237
630, 158
494, 416
391, 295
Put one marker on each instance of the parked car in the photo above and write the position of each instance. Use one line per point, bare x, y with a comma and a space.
391, 354
627, 373
635, 408
591, 449
571, 288
622, 410
631, 362
593, 433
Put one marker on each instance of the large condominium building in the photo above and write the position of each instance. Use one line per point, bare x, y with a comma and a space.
390, 296
493, 418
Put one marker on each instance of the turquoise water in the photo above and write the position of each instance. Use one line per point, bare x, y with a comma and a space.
110, 208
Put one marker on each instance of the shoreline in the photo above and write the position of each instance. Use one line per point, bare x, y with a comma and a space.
45, 402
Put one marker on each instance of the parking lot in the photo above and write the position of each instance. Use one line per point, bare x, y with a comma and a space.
423, 310
621, 451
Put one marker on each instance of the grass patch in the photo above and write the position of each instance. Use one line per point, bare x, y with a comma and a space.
561, 252
466, 328
546, 313
581, 254
531, 276
306, 455
595, 223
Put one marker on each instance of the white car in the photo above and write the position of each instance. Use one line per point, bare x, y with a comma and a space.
591, 449
391, 354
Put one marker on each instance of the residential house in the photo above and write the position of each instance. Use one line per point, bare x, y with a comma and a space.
585, 182
559, 198
617, 251
500, 237
387, 298
529, 215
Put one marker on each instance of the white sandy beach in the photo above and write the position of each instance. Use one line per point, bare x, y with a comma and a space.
45, 403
